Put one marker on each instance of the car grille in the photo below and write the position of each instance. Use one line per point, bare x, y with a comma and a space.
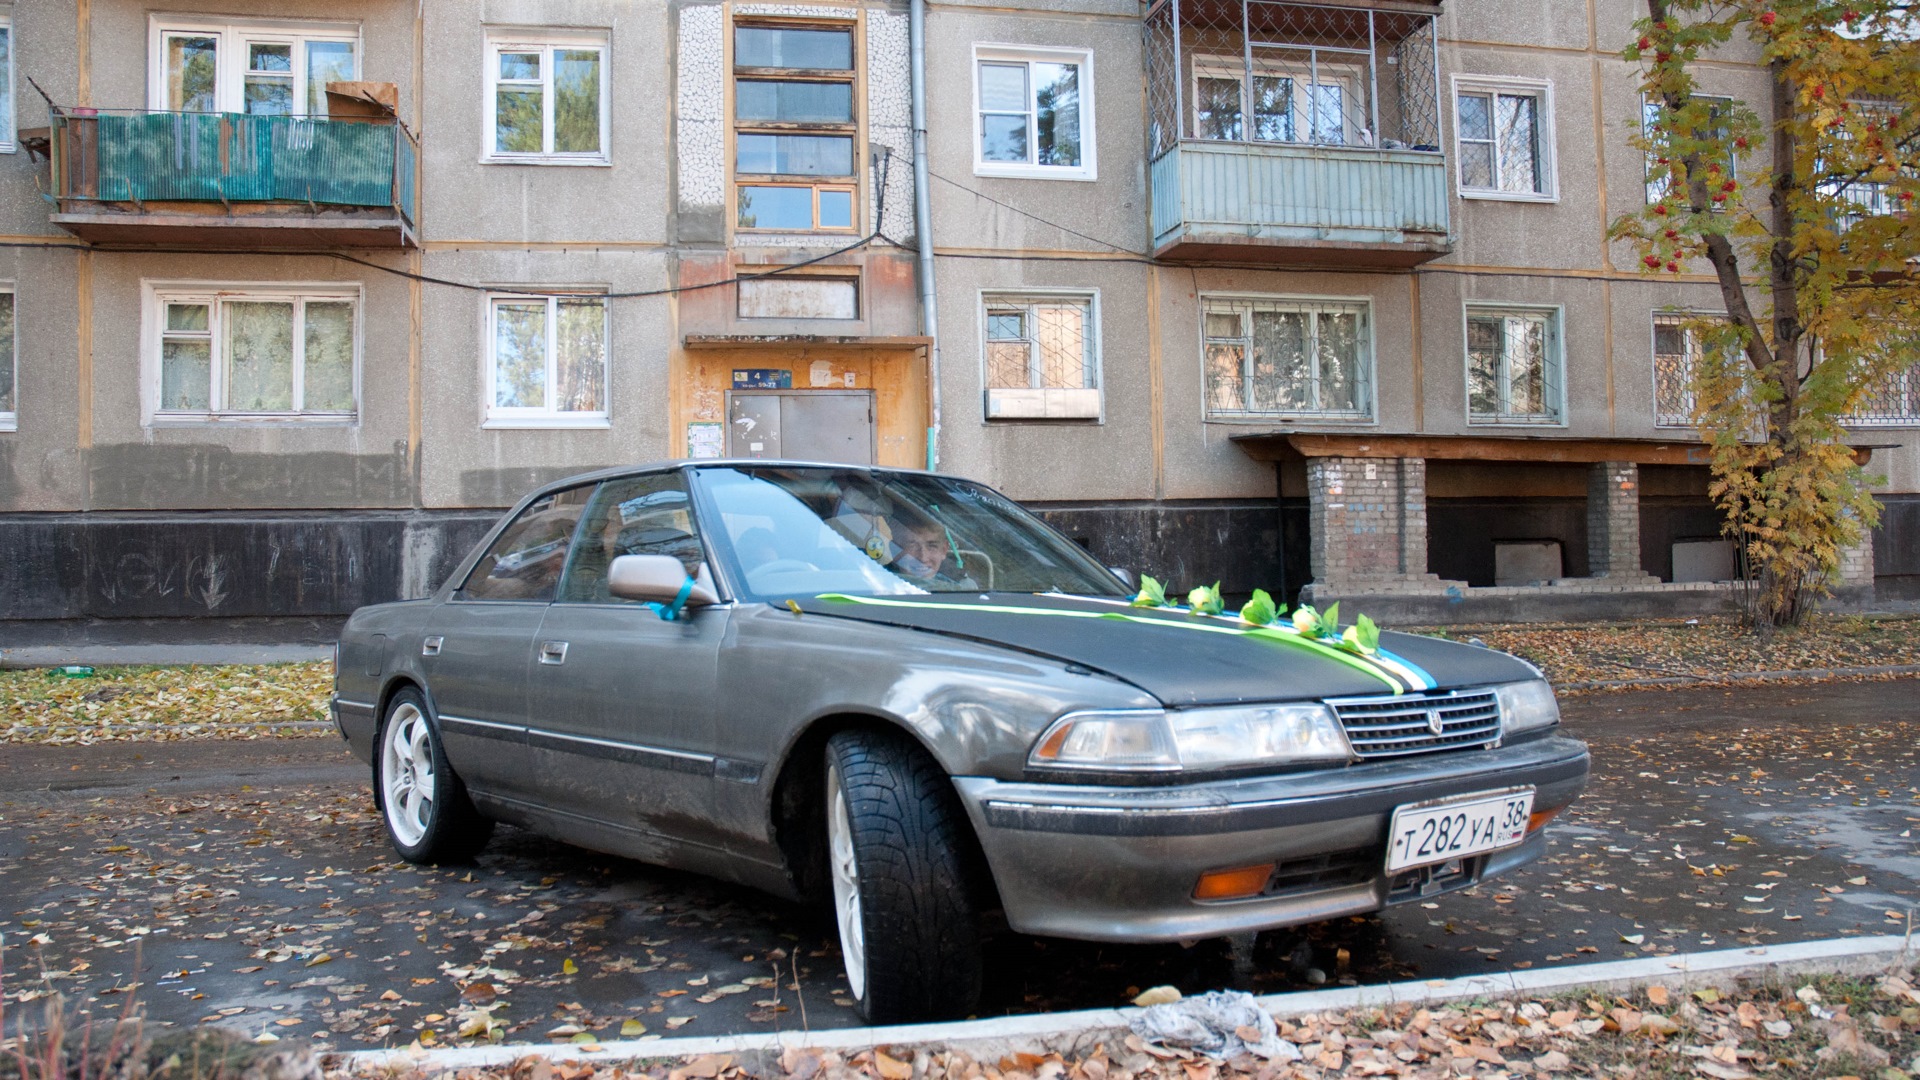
1333, 870
1380, 727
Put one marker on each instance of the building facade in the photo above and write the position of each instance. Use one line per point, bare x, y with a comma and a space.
1288, 295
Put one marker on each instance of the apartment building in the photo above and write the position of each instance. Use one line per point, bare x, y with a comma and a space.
1302, 296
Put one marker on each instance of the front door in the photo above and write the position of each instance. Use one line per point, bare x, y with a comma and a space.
621, 707
801, 425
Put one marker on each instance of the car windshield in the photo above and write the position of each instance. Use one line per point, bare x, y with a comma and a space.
805, 531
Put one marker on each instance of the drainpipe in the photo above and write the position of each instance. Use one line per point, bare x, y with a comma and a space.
923, 222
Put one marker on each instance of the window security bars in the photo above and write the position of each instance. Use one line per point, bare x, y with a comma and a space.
1675, 351
1266, 71
1894, 401
1286, 357
1513, 366
1041, 344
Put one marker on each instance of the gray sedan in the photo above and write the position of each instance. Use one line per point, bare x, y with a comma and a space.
900, 695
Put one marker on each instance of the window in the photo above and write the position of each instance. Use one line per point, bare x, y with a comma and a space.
547, 361
1894, 401
638, 515
1042, 357
264, 69
1503, 131
252, 353
794, 128
524, 562
1660, 177
1676, 348
8, 141
546, 99
1514, 366
1034, 108
1273, 106
9, 408
1307, 357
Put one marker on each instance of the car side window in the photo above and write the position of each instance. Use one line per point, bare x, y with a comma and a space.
634, 515
525, 560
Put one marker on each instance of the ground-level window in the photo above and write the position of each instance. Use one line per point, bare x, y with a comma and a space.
547, 99
1676, 349
9, 409
547, 361
252, 352
1515, 365
265, 69
1273, 357
1042, 356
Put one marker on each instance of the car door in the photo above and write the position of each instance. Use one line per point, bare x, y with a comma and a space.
479, 645
621, 709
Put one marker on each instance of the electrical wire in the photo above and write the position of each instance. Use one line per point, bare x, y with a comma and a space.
1033, 217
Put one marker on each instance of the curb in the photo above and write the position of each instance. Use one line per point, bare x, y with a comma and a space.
1070, 1032
1745, 676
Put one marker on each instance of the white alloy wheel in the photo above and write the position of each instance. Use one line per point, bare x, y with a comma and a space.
408, 783
846, 885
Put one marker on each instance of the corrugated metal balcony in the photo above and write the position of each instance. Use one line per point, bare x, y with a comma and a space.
233, 181
1296, 134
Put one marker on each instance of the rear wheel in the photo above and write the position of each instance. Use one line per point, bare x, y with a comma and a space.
897, 856
428, 815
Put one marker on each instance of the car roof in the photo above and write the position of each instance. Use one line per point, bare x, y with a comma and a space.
673, 464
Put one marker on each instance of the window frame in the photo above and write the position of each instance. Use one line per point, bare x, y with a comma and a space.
1556, 348
1349, 77
1495, 86
1071, 403
9, 118
10, 418
855, 129
155, 296
546, 42
1369, 415
230, 74
494, 417
1678, 318
1028, 55
1648, 160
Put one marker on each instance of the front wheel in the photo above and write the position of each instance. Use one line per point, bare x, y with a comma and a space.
897, 856
428, 815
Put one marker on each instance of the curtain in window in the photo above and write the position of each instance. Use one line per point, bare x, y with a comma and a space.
1281, 369
259, 356
329, 357
6, 353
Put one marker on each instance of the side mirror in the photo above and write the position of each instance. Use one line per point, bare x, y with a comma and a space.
1124, 575
658, 578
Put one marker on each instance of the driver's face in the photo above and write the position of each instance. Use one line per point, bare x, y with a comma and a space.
929, 549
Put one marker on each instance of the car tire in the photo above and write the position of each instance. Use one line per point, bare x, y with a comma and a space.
898, 862
425, 807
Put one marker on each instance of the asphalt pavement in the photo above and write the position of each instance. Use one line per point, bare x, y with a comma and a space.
249, 883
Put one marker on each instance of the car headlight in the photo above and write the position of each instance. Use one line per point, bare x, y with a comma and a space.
1193, 739
1527, 706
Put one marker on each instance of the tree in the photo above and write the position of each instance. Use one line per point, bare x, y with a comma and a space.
1820, 229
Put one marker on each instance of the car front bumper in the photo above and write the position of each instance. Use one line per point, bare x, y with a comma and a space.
1121, 863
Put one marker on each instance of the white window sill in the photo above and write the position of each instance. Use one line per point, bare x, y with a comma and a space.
556, 422
1344, 419
262, 419
1032, 172
9, 422
600, 161
1507, 196
1517, 421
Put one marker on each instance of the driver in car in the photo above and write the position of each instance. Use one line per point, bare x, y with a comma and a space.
924, 555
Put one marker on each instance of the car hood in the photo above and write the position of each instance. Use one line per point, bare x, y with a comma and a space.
1179, 658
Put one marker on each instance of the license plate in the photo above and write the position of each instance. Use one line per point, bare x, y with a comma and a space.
1434, 832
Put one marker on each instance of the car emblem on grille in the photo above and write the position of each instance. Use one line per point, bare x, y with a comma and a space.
1434, 723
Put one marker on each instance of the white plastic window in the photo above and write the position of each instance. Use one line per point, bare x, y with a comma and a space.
547, 100
546, 361
245, 353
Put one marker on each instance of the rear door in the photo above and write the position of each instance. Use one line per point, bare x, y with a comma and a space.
622, 712
480, 644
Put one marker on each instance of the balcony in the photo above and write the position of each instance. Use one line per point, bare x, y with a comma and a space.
1296, 134
233, 181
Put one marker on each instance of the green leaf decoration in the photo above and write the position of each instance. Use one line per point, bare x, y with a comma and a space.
1305, 619
1368, 634
1329, 626
1205, 600
1259, 611
1152, 593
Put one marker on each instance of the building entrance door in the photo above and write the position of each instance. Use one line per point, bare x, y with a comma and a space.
801, 425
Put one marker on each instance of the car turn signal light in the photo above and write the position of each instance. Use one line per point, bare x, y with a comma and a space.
1540, 817
1235, 884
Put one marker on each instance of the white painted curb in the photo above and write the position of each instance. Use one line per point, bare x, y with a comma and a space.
1070, 1031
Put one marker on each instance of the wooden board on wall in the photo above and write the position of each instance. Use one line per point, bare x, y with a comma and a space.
898, 377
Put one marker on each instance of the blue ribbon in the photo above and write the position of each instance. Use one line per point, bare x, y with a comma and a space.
671, 612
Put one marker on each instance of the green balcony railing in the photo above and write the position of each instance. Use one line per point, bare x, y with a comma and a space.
139, 157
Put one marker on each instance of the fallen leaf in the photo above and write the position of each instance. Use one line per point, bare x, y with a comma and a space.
1159, 995
1657, 995
630, 1028
891, 1068
568, 967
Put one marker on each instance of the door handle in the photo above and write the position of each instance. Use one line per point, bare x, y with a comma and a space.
553, 652
431, 646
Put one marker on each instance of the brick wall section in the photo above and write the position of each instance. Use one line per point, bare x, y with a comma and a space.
1613, 520
1856, 565
1369, 522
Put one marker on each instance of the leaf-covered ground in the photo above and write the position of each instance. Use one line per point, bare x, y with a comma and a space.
1821, 1027
1702, 649
164, 703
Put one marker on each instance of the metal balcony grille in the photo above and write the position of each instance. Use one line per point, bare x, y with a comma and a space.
1268, 71
1393, 726
1894, 401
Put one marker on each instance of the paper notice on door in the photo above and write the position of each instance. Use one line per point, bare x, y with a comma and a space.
820, 373
705, 440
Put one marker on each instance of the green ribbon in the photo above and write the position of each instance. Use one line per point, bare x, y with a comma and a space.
1396, 681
